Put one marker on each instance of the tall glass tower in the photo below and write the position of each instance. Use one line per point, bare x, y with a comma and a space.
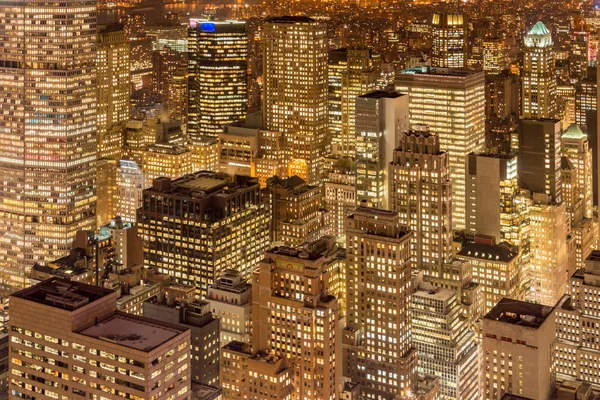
47, 130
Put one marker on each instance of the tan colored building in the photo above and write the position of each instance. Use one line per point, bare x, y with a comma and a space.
295, 99
518, 350
378, 350
295, 316
577, 326
340, 193
106, 190
421, 192
448, 40
297, 215
230, 300
130, 182
166, 160
254, 376
84, 347
496, 267
549, 251
538, 81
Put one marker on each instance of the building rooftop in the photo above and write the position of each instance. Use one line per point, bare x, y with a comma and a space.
447, 20
200, 391
519, 313
427, 290
574, 132
496, 252
294, 253
205, 183
134, 332
438, 71
63, 294
382, 94
289, 19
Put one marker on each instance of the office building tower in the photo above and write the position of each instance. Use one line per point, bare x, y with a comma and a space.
340, 194
494, 56
204, 332
196, 227
48, 154
130, 183
166, 160
495, 267
538, 82
380, 117
452, 103
448, 40
218, 80
585, 103
135, 142
290, 287
549, 269
576, 149
493, 206
540, 153
255, 376
351, 74
230, 300
113, 90
421, 192
106, 190
446, 346
108, 354
518, 350
577, 334
296, 210
378, 349
295, 99
170, 80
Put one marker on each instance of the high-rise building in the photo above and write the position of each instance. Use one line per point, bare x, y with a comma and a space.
290, 288
113, 90
538, 82
130, 183
230, 301
518, 351
492, 196
448, 40
549, 269
540, 157
108, 354
340, 194
494, 56
297, 214
255, 376
351, 74
204, 332
577, 326
575, 147
452, 103
106, 190
48, 151
495, 267
378, 349
421, 192
380, 117
585, 102
295, 90
218, 80
445, 344
196, 227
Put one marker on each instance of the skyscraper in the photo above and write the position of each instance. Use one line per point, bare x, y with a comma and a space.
114, 90
196, 227
448, 40
48, 150
421, 192
575, 147
218, 80
378, 350
295, 90
538, 96
294, 315
539, 157
380, 116
452, 103
351, 74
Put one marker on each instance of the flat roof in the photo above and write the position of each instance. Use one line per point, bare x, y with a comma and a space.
289, 19
382, 94
63, 294
441, 294
134, 332
205, 183
519, 313
461, 72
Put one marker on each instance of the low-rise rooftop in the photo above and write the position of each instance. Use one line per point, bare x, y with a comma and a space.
519, 313
134, 332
